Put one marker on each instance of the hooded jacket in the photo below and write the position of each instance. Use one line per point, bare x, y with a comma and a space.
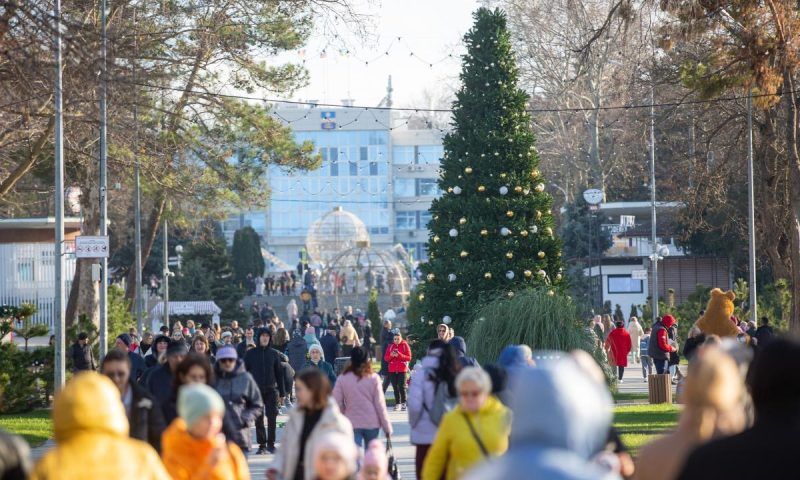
461, 350
146, 419
296, 350
264, 364
159, 384
399, 363
455, 449
242, 400
562, 421
330, 347
186, 457
91, 433
286, 457
659, 347
619, 343
421, 392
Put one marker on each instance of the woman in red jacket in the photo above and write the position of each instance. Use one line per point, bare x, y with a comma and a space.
398, 354
619, 344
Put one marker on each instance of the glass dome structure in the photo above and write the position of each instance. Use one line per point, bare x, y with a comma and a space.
332, 234
357, 270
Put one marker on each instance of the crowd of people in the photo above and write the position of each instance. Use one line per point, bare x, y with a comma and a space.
192, 396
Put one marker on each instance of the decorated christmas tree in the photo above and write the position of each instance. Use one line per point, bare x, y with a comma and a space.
492, 231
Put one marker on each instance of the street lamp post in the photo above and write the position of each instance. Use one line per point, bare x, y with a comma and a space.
167, 273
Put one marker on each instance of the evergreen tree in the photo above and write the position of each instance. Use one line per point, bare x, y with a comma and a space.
491, 232
246, 254
374, 313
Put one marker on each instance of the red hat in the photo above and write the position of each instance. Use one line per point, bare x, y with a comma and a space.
668, 320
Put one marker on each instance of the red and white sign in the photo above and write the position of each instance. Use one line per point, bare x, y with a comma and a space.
91, 246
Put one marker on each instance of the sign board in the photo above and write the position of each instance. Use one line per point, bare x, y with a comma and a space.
91, 246
593, 196
639, 275
328, 120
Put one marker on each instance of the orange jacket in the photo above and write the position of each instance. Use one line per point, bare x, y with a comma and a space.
186, 457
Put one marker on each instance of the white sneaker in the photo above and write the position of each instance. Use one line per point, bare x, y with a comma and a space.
397, 407
621, 381
403, 407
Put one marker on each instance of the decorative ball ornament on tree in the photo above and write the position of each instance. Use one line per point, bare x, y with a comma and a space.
436, 239
535, 174
481, 188
452, 277
464, 254
459, 293
541, 274
487, 275
457, 190
505, 231
509, 214
421, 297
430, 277
509, 255
528, 273
510, 294
453, 232
503, 190
541, 254
518, 189
510, 275
484, 232
540, 187
468, 170
462, 221
446, 319
523, 233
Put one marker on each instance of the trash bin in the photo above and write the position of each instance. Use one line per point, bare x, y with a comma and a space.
659, 388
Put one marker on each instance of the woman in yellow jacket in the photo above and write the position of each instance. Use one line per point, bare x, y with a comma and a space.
475, 430
193, 447
91, 433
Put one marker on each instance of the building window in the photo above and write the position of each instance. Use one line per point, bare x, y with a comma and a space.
25, 269
353, 169
404, 187
403, 155
363, 154
405, 220
624, 284
333, 157
427, 187
373, 168
424, 218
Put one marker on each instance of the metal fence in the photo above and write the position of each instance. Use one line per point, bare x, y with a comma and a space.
27, 275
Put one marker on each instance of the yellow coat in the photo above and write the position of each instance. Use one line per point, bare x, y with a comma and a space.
454, 447
91, 433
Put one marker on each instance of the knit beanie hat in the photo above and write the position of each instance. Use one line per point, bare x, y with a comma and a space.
177, 347
376, 457
197, 400
340, 443
126, 339
310, 330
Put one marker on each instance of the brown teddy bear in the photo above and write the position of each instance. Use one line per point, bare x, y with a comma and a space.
717, 318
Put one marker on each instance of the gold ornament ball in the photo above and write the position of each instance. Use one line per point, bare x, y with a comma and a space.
538, 214
430, 277
534, 173
541, 273
509, 214
503, 175
551, 293
509, 255
541, 254
558, 276
484, 232
436, 239
481, 188
527, 273
487, 275
464, 254
459, 293
524, 233
510, 294
449, 189
518, 189
421, 297
540, 187
468, 170
549, 231
462, 221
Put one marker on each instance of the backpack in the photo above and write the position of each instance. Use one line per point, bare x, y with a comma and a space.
442, 403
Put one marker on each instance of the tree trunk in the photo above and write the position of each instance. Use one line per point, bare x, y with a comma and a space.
794, 192
148, 238
84, 297
71, 316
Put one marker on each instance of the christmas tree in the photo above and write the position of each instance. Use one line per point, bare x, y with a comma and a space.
492, 231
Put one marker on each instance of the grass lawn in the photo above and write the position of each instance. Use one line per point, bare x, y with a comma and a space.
628, 396
35, 427
640, 424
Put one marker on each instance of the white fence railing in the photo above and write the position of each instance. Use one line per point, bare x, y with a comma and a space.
27, 275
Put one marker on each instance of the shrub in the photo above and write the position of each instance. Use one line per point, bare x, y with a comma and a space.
534, 318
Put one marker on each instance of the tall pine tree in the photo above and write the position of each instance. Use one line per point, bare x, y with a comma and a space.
492, 231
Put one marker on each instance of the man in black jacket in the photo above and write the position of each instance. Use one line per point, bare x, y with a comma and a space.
330, 345
81, 353
123, 344
774, 380
264, 364
159, 381
144, 413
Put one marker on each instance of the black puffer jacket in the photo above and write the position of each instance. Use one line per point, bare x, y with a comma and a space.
242, 399
264, 364
146, 419
296, 351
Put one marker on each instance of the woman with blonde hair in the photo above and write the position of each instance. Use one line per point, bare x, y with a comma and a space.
713, 396
608, 325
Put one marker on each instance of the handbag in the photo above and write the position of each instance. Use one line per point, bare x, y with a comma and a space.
393, 471
483, 448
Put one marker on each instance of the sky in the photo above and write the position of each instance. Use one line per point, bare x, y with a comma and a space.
429, 31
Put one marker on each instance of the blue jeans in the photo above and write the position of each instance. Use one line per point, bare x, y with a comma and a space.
662, 366
647, 365
365, 435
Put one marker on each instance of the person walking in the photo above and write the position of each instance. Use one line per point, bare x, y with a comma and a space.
123, 343
335, 458
619, 345
434, 380
316, 359
247, 342
156, 353
240, 393
644, 346
636, 333
398, 354
91, 433
192, 369
461, 350
159, 382
349, 337
81, 354
659, 347
297, 351
315, 416
330, 345
713, 398
264, 364
194, 447
145, 419
476, 429
359, 396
